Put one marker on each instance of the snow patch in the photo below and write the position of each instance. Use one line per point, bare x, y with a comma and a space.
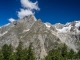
26, 30
47, 25
77, 23
3, 33
67, 24
64, 29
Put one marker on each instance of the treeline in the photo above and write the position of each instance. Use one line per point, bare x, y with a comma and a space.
63, 54
8, 53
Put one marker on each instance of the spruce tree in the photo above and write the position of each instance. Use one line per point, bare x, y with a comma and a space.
19, 51
78, 54
30, 53
53, 54
1, 55
71, 54
6, 52
64, 52
12, 57
24, 54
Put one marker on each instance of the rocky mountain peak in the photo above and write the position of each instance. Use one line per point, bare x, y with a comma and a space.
30, 17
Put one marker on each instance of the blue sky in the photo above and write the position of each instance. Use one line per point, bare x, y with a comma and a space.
53, 11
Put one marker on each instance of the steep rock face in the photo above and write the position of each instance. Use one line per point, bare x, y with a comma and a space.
5, 28
29, 30
11, 33
42, 39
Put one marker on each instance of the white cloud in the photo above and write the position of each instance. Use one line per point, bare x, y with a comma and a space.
30, 5
24, 12
11, 19
28, 8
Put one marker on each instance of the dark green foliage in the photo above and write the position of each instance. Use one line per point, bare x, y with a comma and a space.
71, 54
78, 55
53, 55
1, 55
64, 51
12, 57
62, 54
19, 51
6, 53
24, 54
30, 53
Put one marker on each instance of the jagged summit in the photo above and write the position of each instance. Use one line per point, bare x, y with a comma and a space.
29, 17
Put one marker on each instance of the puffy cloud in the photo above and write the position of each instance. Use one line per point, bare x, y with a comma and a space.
24, 12
28, 8
30, 5
11, 19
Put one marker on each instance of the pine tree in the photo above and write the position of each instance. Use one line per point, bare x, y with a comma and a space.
6, 52
30, 53
24, 54
71, 54
12, 57
64, 52
53, 54
78, 54
19, 51
10, 49
1, 55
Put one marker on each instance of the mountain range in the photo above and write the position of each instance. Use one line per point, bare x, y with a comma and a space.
43, 36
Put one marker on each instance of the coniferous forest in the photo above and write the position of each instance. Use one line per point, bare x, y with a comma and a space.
7, 53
